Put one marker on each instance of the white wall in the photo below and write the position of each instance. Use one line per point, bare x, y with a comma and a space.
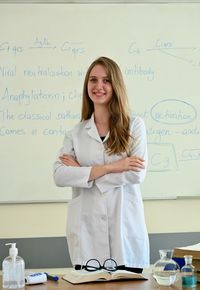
49, 220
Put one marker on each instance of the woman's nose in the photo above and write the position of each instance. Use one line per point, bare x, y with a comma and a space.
99, 84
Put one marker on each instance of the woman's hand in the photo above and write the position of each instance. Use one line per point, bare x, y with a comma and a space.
129, 163
69, 160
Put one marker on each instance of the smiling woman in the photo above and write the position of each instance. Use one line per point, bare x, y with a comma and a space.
152, 73
104, 159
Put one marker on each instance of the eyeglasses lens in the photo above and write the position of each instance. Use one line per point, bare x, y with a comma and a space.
110, 265
93, 265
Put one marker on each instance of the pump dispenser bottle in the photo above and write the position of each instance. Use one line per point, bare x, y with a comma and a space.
13, 268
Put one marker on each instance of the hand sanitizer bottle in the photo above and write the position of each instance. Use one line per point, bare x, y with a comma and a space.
189, 278
13, 268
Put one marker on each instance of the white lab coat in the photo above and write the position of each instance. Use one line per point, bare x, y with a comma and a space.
105, 216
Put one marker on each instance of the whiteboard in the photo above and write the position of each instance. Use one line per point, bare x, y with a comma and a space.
45, 50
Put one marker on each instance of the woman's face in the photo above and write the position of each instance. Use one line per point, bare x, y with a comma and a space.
99, 86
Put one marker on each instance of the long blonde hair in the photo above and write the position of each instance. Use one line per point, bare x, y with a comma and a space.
119, 123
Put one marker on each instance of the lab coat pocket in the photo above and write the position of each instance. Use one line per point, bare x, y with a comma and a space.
73, 226
134, 213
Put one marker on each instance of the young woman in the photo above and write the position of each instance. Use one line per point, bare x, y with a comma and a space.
104, 160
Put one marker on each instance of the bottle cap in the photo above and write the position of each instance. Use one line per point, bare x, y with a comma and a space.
188, 258
13, 251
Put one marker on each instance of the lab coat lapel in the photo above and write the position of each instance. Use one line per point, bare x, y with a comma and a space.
92, 129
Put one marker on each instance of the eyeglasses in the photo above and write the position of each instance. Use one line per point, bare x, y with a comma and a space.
94, 265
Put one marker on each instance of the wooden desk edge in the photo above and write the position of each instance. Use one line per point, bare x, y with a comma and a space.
149, 284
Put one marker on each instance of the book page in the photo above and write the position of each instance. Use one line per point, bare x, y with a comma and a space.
195, 247
83, 276
123, 274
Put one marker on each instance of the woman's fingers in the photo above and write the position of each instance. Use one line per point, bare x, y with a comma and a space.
68, 160
136, 163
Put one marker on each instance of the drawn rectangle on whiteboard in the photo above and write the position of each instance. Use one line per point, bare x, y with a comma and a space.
162, 157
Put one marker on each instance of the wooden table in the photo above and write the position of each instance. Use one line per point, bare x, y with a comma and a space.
117, 285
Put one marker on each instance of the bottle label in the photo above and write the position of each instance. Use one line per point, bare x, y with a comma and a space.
36, 278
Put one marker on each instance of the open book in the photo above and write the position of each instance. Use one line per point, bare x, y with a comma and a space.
83, 276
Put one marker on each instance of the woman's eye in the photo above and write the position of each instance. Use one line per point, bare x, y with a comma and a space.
106, 81
93, 80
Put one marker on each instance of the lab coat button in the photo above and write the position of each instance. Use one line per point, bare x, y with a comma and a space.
104, 218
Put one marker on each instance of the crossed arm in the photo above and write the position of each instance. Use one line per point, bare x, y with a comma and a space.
133, 163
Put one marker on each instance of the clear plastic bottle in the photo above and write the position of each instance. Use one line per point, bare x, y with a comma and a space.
13, 268
189, 278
